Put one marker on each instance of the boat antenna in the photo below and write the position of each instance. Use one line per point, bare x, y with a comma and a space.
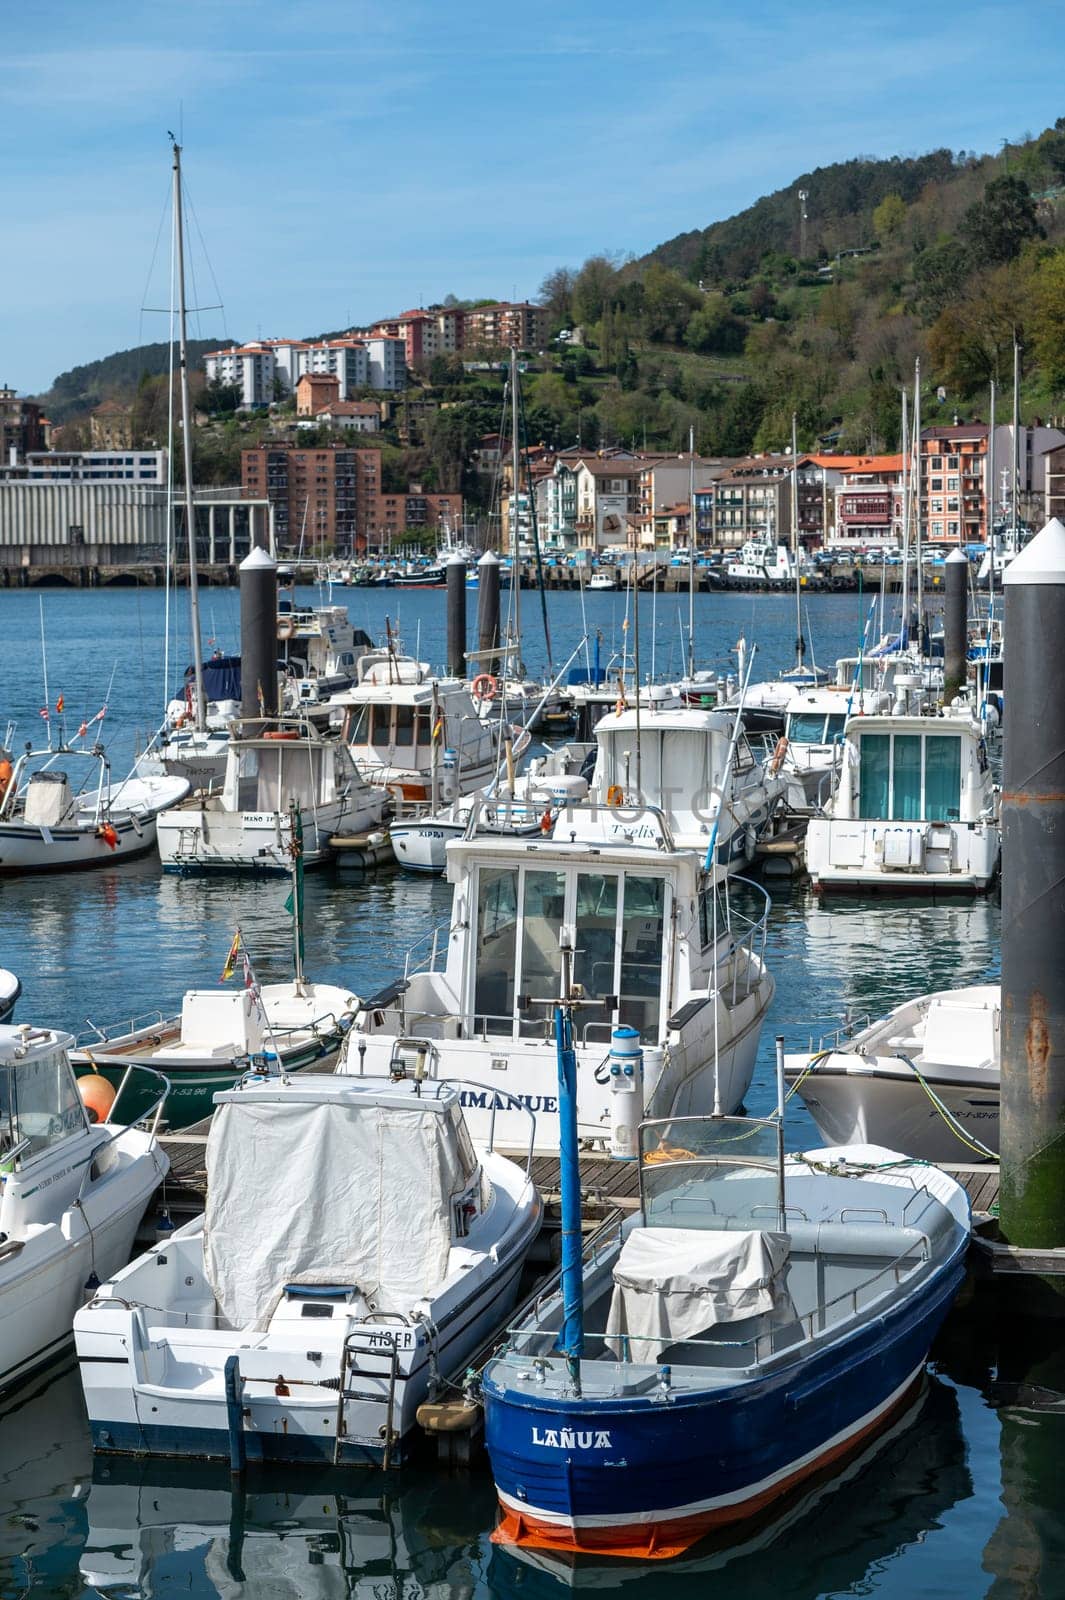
800, 645
691, 556
917, 505
294, 904
199, 709
515, 478
989, 502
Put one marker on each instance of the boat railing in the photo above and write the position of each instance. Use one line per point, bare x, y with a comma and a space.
148, 1121
116, 1030
746, 934
428, 960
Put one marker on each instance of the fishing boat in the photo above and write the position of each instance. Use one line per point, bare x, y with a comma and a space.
416, 736
760, 563
272, 763
72, 1193
662, 947
10, 989
756, 1322
348, 1215
915, 807
49, 825
924, 1079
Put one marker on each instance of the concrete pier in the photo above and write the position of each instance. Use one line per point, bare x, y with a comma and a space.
258, 635
1032, 1207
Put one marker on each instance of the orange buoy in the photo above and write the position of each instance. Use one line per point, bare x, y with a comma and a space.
6, 770
97, 1095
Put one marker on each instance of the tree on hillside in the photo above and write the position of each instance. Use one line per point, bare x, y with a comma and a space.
592, 289
713, 328
889, 217
1047, 319
996, 227
939, 274
556, 296
668, 303
971, 341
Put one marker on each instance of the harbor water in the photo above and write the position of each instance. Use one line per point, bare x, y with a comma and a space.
964, 1499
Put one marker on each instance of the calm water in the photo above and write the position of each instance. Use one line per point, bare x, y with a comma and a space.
967, 1500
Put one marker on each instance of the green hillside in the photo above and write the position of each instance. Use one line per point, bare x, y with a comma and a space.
114, 377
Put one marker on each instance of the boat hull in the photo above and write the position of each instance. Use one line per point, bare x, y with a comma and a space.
202, 841
25, 848
556, 1466
892, 1109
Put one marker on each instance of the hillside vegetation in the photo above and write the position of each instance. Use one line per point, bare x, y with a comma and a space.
75, 393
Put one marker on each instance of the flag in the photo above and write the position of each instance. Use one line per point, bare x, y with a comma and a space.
249, 977
59, 706
45, 713
82, 731
231, 959
438, 728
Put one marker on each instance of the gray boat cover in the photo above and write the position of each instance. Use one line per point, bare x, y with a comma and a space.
327, 1193
672, 1284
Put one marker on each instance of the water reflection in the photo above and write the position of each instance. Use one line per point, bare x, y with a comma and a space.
171, 1527
45, 1466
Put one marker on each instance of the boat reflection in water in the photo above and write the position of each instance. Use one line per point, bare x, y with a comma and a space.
45, 1469
893, 1496
161, 1527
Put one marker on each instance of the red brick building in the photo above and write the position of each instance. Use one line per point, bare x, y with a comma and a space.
954, 483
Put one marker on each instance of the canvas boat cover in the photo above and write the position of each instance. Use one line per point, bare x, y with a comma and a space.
336, 1189
672, 1284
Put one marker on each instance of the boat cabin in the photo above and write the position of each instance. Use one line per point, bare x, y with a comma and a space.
283, 764
397, 721
913, 769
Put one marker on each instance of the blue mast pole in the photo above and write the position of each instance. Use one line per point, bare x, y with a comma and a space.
571, 1339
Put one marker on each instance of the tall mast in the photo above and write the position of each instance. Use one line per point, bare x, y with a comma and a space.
989, 500
691, 554
199, 710
917, 498
905, 518
800, 647
1015, 463
515, 520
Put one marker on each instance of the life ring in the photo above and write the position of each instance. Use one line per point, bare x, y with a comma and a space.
484, 686
281, 733
776, 760
615, 795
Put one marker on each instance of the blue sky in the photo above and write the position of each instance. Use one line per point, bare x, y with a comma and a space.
346, 160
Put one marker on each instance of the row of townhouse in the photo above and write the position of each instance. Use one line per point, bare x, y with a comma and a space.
447, 330
332, 496
270, 369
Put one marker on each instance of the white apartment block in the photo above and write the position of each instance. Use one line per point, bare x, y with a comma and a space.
269, 365
388, 363
347, 360
96, 466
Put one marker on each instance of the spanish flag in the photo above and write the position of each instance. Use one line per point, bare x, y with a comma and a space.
59, 706
231, 959
438, 728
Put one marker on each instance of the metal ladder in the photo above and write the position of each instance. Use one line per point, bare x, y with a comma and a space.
349, 1367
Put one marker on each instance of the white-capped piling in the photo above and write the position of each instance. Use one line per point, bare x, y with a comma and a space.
955, 624
455, 573
488, 608
1032, 1127
258, 635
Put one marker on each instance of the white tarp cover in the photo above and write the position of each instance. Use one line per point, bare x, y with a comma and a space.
328, 1193
671, 1284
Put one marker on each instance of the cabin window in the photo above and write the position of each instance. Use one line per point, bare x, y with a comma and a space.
543, 907
906, 774
248, 780
44, 1107
404, 725
834, 727
595, 955
497, 947
874, 775
942, 778
380, 728
642, 941
806, 727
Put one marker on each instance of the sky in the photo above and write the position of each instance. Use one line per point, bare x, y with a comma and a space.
345, 161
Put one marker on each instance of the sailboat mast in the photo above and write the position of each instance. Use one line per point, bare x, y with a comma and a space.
905, 521
989, 502
917, 500
691, 555
515, 473
800, 647
1014, 463
199, 710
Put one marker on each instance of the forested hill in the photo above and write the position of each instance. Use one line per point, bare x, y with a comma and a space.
837, 198
114, 377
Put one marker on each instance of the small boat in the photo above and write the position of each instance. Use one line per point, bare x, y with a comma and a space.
351, 1215
603, 580
217, 1037
271, 764
924, 1079
915, 807
46, 825
810, 750
72, 1193
760, 564
10, 989
420, 843
758, 1321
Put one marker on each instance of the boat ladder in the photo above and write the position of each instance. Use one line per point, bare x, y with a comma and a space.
361, 1342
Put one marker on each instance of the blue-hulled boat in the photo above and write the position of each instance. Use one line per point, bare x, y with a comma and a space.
754, 1324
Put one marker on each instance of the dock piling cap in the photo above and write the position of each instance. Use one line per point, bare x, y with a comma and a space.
956, 555
1041, 561
257, 558
489, 559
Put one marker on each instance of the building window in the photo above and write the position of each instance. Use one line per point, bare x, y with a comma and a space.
937, 530
937, 505
952, 483
937, 483
952, 463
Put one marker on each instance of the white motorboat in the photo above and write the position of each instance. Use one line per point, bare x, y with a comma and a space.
402, 724
318, 648
914, 807
199, 754
660, 947
925, 1078
809, 752
420, 843
679, 761
350, 1216
603, 579
760, 562
48, 825
10, 989
72, 1193
272, 764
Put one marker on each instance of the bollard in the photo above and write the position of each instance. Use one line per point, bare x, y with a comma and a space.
488, 609
258, 635
455, 570
1032, 1121
955, 625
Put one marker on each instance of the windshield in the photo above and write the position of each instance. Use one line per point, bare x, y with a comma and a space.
39, 1104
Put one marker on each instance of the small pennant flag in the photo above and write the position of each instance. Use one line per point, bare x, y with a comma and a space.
45, 713
438, 727
83, 730
59, 706
231, 959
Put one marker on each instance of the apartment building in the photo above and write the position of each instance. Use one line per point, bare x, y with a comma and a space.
22, 426
518, 325
96, 466
270, 369
664, 482
954, 482
752, 500
314, 391
868, 502
318, 498
417, 511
